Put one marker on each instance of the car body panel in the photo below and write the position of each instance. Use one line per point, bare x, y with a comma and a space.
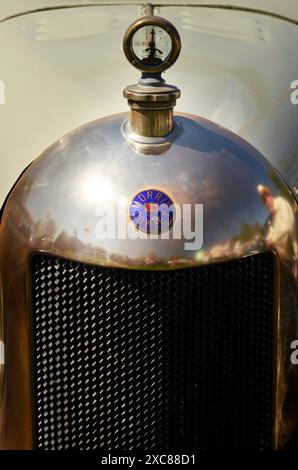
287, 8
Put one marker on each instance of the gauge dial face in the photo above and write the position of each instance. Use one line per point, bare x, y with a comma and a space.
151, 45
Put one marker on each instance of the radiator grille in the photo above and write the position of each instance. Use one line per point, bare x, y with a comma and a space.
153, 360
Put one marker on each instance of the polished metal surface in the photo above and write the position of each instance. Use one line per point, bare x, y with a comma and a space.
62, 191
151, 122
55, 208
151, 145
151, 109
239, 76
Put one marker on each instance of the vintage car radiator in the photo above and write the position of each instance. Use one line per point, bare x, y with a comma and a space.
130, 359
148, 282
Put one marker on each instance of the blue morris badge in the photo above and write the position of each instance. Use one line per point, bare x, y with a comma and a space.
152, 211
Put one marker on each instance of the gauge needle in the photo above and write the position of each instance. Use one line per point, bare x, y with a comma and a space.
152, 47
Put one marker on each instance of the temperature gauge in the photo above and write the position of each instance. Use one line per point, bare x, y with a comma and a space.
152, 44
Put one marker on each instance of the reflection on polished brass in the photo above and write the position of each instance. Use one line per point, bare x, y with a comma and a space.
54, 208
151, 109
151, 122
150, 145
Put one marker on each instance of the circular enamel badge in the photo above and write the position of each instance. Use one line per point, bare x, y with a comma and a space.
152, 211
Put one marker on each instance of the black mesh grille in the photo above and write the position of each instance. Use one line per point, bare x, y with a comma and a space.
153, 360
